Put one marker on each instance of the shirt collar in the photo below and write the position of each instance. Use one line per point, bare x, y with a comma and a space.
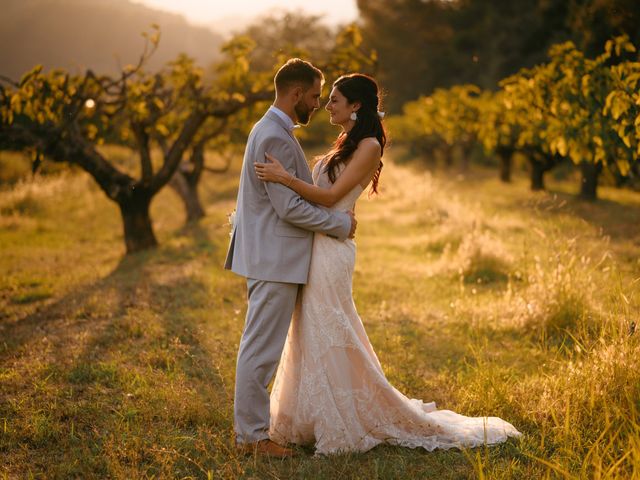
286, 118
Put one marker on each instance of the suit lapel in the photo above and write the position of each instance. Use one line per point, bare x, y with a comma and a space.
275, 118
301, 161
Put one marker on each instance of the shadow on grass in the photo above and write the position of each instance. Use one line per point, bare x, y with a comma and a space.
124, 366
617, 220
117, 292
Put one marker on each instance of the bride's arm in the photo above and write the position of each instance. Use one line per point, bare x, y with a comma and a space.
364, 160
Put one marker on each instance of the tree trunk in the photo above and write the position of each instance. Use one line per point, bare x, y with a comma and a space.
540, 163
589, 182
188, 192
537, 175
506, 157
447, 152
466, 154
619, 179
138, 231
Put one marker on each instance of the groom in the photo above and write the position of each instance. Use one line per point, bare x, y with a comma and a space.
271, 247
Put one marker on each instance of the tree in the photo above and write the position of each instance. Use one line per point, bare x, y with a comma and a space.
335, 51
569, 93
343, 52
414, 42
622, 106
446, 119
66, 118
593, 22
526, 97
498, 131
570, 108
220, 133
286, 34
429, 44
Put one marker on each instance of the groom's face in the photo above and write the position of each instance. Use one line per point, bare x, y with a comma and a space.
309, 102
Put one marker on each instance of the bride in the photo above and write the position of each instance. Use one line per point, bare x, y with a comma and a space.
330, 389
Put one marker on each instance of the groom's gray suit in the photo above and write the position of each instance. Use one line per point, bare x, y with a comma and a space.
271, 246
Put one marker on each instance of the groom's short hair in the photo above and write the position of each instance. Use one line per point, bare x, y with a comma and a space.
296, 72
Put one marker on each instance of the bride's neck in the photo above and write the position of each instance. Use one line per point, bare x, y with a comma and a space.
346, 128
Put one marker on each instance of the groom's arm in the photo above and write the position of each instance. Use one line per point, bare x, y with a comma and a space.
292, 208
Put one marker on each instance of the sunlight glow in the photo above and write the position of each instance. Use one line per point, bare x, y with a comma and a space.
207, 12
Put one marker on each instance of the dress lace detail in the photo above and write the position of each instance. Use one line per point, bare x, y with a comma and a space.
330, 389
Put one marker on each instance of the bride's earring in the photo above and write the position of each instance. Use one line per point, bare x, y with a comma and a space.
353, 116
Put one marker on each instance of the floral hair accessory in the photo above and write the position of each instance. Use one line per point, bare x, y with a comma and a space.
381, 115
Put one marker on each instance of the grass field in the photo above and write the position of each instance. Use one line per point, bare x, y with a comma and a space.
483, 297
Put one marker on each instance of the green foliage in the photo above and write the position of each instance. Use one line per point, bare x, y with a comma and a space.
430, 44
279, 36
568, 96
586, 110
622, 105
132, 110
440, 121
176, 109
336, 51
497, 127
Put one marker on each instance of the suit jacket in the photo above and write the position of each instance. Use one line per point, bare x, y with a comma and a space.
274, 226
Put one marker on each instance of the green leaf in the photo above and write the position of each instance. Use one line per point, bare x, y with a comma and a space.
619, 106
16, 103
162, 129
624, 167
561, 146
92, 131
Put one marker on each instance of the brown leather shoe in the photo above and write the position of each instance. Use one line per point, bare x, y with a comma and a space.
265, 447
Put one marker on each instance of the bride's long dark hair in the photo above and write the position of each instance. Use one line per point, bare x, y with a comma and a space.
357, 87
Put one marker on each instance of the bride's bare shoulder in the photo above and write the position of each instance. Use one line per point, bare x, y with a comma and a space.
369, 145
369, 142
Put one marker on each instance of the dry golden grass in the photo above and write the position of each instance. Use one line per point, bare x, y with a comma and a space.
486, 298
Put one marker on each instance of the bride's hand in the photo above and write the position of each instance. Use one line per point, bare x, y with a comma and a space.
272, 171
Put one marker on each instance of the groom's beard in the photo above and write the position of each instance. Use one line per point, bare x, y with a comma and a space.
303, 113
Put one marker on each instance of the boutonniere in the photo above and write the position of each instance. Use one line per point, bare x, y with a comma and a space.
232, 221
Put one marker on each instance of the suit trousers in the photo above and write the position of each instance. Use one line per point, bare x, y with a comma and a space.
271, 306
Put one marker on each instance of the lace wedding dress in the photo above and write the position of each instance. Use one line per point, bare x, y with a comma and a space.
330, 389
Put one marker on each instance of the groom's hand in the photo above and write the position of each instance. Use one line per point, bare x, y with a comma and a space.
354, 224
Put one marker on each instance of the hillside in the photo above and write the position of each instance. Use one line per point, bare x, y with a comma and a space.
97, 34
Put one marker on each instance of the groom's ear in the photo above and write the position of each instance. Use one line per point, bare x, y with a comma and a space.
297, 92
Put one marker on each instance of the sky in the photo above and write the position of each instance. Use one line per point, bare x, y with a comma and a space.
211, 12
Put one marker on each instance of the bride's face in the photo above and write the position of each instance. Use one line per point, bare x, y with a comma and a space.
340, 109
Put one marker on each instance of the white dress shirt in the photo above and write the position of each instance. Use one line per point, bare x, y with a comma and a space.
284, 116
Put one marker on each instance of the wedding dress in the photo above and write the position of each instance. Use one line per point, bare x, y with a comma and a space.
330, 389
